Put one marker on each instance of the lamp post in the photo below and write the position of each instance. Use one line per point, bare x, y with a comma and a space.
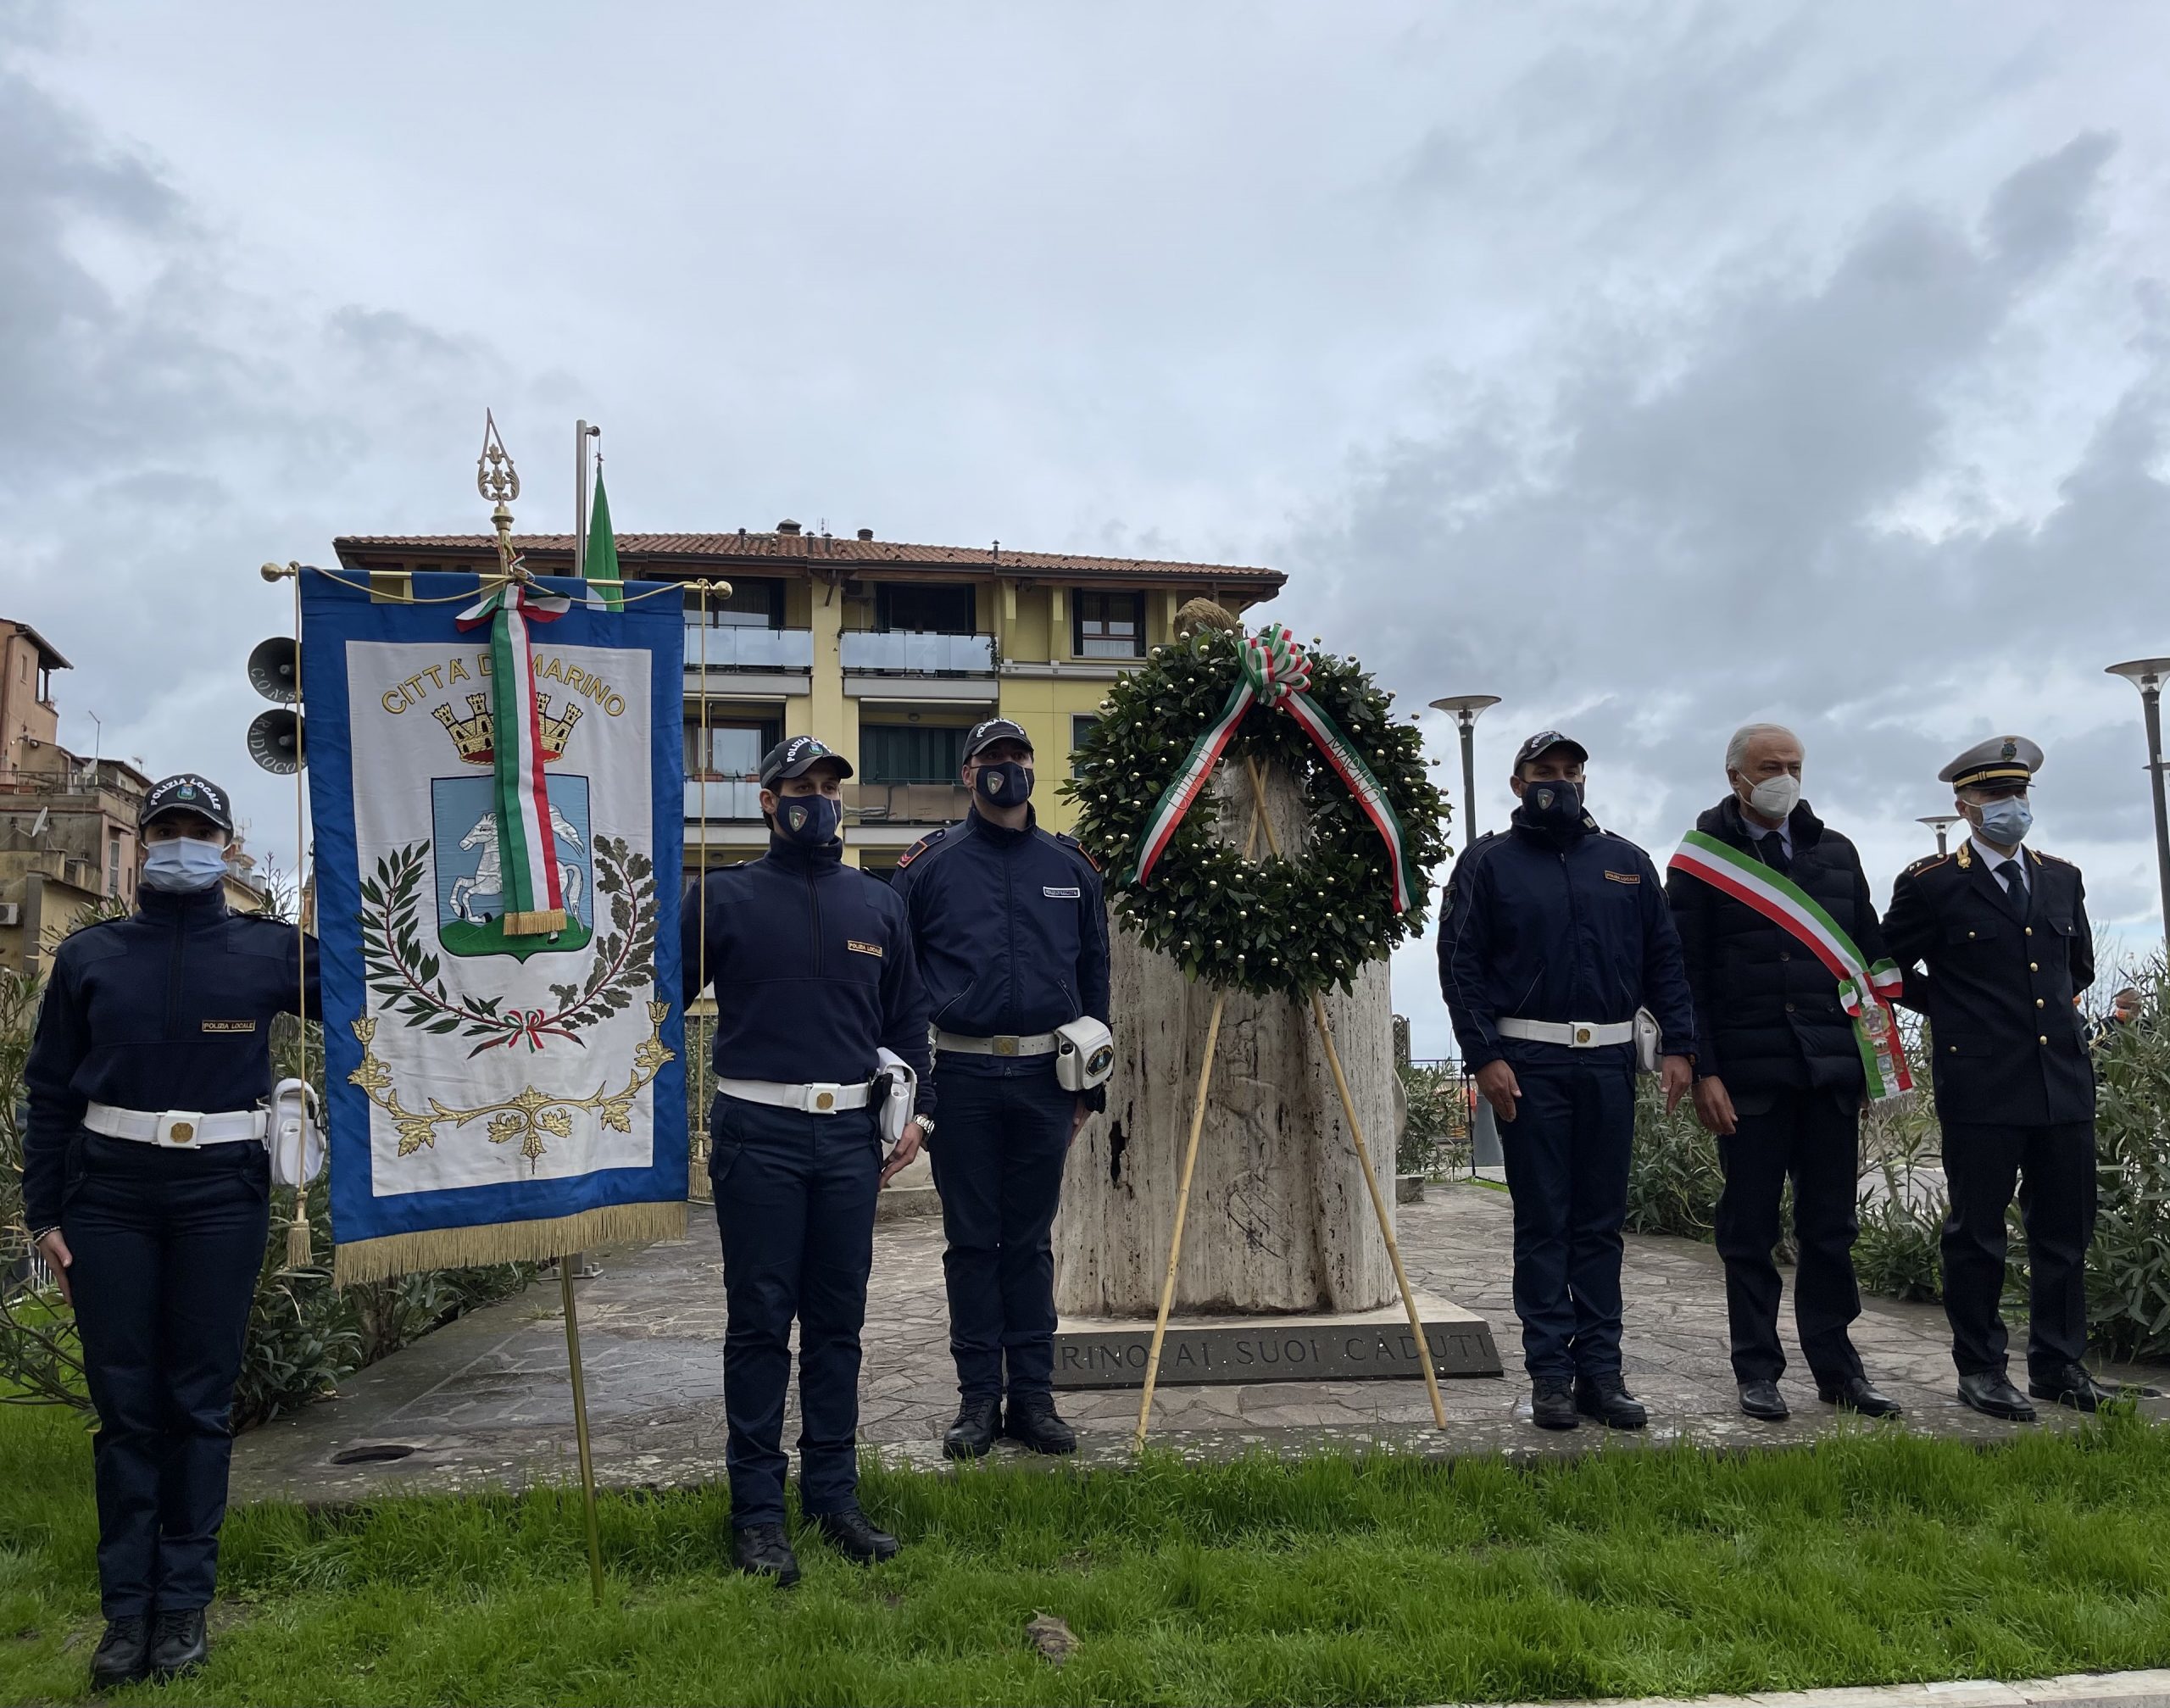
1467, 708
1939, 822
2147, 675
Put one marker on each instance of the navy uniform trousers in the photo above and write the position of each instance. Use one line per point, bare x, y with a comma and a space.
1567, 1153
167, 1246
794, 1204
998, 1154
2053, 1166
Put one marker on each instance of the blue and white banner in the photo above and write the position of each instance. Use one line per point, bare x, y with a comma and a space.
491, 1095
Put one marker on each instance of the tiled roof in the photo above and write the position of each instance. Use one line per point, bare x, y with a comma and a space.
812, 549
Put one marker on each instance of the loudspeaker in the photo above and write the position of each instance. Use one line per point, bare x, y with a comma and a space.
275, 669
274, 741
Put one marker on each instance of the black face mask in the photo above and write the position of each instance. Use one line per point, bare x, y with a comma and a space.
1553, 806
1008, 784
811, 820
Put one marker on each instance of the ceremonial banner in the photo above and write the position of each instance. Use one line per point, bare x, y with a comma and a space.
497, 1091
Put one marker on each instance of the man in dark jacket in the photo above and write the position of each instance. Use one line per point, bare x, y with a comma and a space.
2002, 929
1553, 934
1778, 1074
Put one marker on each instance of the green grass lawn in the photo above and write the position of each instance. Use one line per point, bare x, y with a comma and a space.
1871, 1558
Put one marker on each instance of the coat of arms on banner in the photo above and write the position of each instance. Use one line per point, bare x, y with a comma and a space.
504, 1091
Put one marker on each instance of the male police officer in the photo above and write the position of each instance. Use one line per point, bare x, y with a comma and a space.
1779, 1073
1013, 942
814, 974
1555, 935
2002, 931
146, 1185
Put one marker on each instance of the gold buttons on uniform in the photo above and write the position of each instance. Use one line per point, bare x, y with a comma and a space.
1970, 936
2037, 1002
183, 1131
2044, 1039
2028, 929
2033, 967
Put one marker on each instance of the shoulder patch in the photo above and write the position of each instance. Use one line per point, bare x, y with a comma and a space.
2044, 859
1923, 864
920, 847
1063, 839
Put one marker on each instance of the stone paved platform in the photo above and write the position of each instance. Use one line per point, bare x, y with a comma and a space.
485, 1402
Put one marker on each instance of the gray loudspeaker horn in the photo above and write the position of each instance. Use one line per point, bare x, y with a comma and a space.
275, 669
274, 741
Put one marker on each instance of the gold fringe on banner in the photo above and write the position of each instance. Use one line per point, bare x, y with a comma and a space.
540, 923
507, 1242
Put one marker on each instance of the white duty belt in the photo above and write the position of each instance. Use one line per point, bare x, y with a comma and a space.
176, 1129
1575, 1034
809, 1099
1009, 1044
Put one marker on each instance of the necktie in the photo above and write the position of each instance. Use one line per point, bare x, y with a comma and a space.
1773, 847
2015, 883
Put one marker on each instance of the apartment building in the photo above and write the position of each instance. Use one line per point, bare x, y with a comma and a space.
887, 652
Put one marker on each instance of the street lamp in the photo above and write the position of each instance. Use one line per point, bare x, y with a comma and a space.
1467, 708
2146, 675
1939, 822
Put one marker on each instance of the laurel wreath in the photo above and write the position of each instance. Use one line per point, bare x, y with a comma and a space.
408, 979
1290, 924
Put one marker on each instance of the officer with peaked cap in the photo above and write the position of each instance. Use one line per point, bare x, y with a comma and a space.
1994, 944
146, 1188
1013, 947
815, 978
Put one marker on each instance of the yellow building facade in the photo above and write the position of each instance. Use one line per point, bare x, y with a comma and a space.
887, 651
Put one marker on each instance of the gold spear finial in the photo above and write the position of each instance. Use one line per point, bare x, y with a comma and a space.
497, 480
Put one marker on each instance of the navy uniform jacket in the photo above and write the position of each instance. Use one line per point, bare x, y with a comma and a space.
813, 968
2009, 1048
169, 1009
1012, 934
1539, 925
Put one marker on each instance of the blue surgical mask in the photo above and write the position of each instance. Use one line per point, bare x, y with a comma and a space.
184, 863
2007, 821
1007, 784
811, 820
1551, 806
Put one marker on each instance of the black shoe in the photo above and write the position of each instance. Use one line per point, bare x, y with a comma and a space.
1762, 1399
178, 1644
1552, 1403
1990, 1393
1606, 1398
972, 1434
1033, 1421
850, 1534
2071, 1386
123, 1653
1858, 1394
761, 1551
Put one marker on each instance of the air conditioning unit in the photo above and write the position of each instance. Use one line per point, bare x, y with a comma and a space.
11, 913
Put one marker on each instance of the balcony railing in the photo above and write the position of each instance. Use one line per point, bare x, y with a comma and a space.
731, 648
733, 801
908, 651
907, 803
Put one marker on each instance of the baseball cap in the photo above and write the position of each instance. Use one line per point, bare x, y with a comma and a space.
990, 730
793, 757
1545, 741
186, 793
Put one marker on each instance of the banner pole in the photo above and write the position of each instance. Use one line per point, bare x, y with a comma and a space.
297, 1232
1363, 1151
580, 501
580, 1429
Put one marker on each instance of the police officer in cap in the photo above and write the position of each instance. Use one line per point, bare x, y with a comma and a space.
147, 1186
1994, 944
815, 977
1013, 944
1555, 935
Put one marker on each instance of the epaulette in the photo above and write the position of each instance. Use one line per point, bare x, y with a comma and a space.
1924, 863
921, 846
1063, 838
2042, 859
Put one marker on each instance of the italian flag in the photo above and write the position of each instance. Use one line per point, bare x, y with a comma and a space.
1865, 992
606, 587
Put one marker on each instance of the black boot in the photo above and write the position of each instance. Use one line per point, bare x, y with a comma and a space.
178, 1643
123, 1653
1606, 1398
1032, 1421
851, 1536
972, 1434
761, 1551
1762, 1399
1990, 1393
1552, 1403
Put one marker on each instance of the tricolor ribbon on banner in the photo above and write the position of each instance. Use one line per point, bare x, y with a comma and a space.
534, 904
1275, 673
1865, 992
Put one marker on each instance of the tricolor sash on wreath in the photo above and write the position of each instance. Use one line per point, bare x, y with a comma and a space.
1865, 992
1275, 674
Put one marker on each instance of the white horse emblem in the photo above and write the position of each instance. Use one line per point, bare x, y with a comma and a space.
489, 876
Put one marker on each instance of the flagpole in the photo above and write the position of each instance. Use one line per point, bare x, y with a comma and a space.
580, 500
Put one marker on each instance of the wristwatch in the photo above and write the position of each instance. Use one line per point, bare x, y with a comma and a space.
926, 1125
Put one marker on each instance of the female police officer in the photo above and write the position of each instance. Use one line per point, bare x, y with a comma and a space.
814, 975
147, 1185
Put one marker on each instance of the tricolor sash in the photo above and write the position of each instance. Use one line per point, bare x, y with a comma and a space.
534, 905
1865, 992
1275, 673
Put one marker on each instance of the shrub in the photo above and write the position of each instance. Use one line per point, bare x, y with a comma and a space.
1436, 1141
2128, 1265
1673, 1179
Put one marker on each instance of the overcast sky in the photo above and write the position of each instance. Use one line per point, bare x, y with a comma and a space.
1654, 367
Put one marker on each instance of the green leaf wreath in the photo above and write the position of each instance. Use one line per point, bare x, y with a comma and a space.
1293, 926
